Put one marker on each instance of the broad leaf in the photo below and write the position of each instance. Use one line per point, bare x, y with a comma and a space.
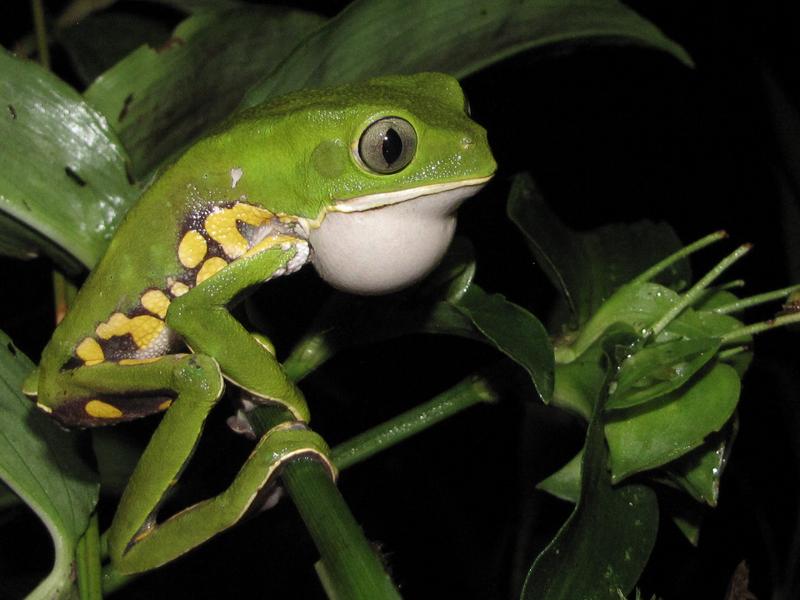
160, 99
41, 463
659, 369
63, 182
459, 37
699, 472
603, 547
515, 332
654, 434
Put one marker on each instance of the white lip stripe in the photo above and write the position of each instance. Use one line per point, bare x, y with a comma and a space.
371, 201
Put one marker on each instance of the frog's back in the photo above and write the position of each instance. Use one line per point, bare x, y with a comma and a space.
174, 238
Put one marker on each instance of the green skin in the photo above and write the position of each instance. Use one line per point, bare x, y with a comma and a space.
296, 157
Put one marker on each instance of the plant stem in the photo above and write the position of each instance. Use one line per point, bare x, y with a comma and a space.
307, 355
353, 569
88, 559
682, 253
41, 34
697, 289
759, 327
470, 391
756, 300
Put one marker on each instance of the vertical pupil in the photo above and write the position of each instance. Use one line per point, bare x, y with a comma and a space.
392, 146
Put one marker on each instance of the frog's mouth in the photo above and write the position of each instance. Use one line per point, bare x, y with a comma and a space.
381, 243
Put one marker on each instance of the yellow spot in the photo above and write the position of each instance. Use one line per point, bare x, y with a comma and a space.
138, 361
270, 242
102, 410
46, 409
156, 302
192, 249
165, 405
212, 266
117, 324
221, 226
90, 352
178, 289
143, 329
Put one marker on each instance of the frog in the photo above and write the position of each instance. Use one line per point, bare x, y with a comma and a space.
362, 181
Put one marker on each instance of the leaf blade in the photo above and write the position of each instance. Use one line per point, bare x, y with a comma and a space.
64, 173
453, 36
42, 464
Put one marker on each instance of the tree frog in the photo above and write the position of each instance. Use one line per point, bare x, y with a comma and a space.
362, 181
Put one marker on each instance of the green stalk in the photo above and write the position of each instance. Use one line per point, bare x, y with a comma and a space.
755, 328
88, 559
682, 253
307, 355
351, 567
41, 34
697, 289
470, 391
744, 303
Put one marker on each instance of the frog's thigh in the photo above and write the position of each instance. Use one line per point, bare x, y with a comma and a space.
110, 392
201, 317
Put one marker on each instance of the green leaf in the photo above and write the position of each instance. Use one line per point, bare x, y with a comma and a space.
603, 547
566, 482
160, 99
42, 464
640, 305
588, 267
459, 37
700, 471
63, 183
515, 332
652, 435
579, 381
659, 369
689, 525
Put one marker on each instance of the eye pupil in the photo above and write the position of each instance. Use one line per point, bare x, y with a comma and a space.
392, 147
387, 145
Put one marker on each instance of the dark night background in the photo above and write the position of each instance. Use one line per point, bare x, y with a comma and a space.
611, 134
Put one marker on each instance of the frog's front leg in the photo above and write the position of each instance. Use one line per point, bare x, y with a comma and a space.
202, 318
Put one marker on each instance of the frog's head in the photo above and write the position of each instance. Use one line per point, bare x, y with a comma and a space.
385, 164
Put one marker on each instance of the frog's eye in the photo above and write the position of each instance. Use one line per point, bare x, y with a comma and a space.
388, 145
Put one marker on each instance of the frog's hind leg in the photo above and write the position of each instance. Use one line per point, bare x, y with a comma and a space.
137, 541
195, 383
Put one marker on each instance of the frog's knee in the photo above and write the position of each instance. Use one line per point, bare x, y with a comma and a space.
199, 374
